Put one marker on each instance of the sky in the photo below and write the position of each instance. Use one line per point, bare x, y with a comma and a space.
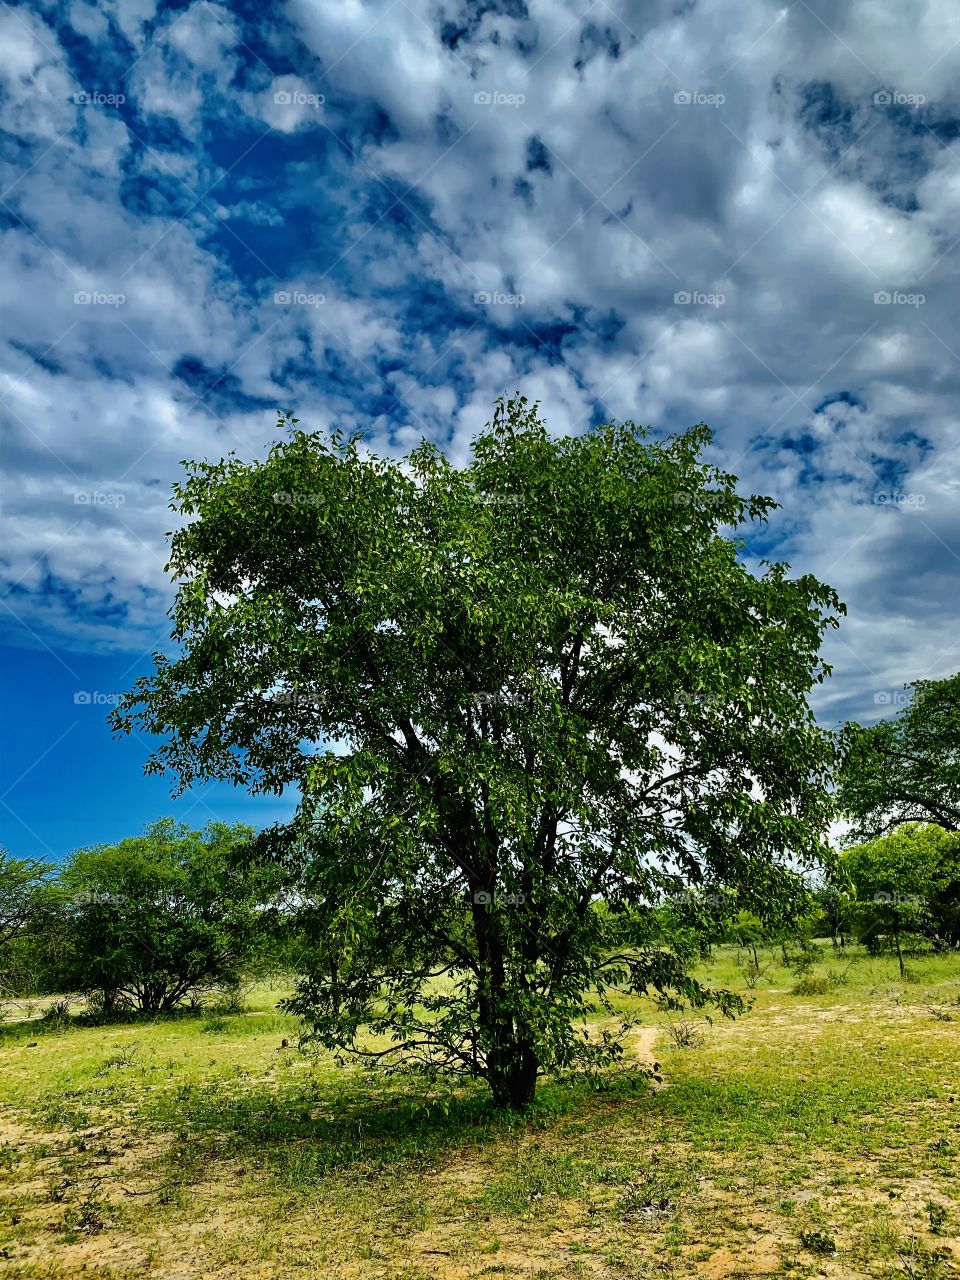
381, 214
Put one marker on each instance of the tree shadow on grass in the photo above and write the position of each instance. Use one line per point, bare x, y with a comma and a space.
360, 1128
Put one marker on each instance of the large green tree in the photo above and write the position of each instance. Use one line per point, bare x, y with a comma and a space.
905, 769
506, 691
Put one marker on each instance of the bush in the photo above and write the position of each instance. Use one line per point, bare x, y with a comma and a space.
153, 921
814, 984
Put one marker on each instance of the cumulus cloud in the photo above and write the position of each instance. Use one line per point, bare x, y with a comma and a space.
385, 215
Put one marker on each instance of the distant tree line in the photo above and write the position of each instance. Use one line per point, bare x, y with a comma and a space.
162, 918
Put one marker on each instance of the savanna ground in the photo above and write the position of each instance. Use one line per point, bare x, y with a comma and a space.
819, 1135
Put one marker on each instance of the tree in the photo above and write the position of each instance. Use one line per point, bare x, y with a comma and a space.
835, 902
21, 880
506, 692
156, 917
896, 879
906, 769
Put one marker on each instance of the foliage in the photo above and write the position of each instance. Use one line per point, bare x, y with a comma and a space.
835, 905
906, 769
148, 921
899, 880
505, 691
22, 882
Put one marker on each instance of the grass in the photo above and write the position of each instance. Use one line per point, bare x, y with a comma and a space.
819, 1135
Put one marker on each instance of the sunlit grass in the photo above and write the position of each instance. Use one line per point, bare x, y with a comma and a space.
818, 1134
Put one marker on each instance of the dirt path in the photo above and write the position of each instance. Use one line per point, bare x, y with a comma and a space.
642, 1041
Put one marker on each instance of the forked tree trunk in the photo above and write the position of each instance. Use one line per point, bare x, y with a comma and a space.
512, 1062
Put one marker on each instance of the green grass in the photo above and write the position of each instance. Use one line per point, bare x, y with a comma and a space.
817, 1135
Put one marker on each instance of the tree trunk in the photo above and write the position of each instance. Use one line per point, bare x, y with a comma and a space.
513, 1081
903, 967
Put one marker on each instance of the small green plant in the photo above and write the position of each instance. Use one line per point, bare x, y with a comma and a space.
231, 1000
917, 1262
57, 1015
685, 1035
117, 1061
936, 1215
818, 1242
752, 971
215, 1026
648, 1200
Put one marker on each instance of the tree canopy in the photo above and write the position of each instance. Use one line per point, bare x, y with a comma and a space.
904, 769
906, 885
20, 882
150, 920
508, 692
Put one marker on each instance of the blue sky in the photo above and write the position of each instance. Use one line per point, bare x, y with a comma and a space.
382, 215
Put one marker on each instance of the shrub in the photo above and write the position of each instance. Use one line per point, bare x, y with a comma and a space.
813, 984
